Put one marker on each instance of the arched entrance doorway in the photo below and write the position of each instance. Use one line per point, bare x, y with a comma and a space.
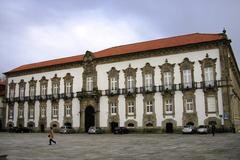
169, 128
89, 117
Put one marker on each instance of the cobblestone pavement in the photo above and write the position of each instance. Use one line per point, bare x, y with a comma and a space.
121, 147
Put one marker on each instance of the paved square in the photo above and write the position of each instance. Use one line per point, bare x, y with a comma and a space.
120, 147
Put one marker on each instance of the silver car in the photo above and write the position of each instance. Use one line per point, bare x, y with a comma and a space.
66, 130
202, 129
188, 129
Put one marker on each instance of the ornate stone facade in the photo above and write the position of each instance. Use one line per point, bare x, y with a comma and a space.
131, 90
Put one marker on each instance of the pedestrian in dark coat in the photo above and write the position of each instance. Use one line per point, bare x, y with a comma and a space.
51, 136
213, 129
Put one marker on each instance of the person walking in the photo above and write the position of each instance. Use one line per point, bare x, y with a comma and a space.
213, 129
51, 136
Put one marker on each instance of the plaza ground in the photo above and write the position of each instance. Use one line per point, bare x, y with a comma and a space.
26, 146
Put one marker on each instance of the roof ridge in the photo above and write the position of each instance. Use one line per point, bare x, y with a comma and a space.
140, 42
160, 43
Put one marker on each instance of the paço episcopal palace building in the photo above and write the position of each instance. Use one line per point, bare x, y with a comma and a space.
158, 85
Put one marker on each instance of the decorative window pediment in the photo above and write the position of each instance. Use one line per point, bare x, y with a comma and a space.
113, 80
130, 78
22, 85
89, 72
12, 88
68, 84
43, 86
55, 85
167, 73
88, 56
148, 77
187, 73
208, 66
32, 88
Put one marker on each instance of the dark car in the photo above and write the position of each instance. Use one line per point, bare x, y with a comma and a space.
20, 130
95, 130
120, 130
66, 130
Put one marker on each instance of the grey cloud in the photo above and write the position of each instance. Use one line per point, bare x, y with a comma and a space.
149, 20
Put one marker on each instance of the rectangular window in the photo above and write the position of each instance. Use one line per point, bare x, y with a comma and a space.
21, 93
89, 84
130, 83
20, 112
187, 78
209, 78
55, 111
11, 93
68, 111
113, 106
189, 105
43, 112
149, 106
148, 82
211, 102
167, 80
31, 112
44, 90
169, 106
32, 92
130, 108
55, 89
113, 85
68, 88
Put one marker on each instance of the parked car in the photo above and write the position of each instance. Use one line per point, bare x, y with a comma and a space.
120, 130
202, 129
20, 130
188, 129
66, 130
95, 130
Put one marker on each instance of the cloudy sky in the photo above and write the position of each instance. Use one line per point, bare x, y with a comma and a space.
38, 30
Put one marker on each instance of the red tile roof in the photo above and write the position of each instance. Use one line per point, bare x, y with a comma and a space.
130, 48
